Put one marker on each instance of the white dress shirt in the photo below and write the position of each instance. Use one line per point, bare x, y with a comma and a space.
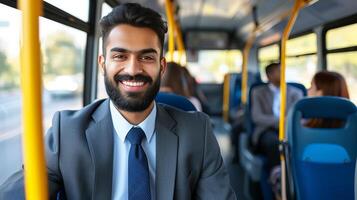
276, 99
122, 147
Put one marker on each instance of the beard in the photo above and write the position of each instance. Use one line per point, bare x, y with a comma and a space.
132, 101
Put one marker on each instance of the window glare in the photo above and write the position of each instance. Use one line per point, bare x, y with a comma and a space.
78, 8
301, 69
267, 55
346, 64
342, 37
301, 45
212, 65
106, 9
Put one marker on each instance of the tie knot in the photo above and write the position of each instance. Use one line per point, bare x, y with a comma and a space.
135, 135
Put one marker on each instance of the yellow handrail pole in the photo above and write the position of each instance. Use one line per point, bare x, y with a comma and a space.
294, 13
226, 84
171, 29
180, 45
34, 158
246, 50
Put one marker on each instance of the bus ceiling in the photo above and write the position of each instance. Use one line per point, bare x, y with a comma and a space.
229, 22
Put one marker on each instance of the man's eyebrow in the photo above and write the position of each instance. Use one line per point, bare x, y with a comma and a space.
149, 50
117, 49
142, 51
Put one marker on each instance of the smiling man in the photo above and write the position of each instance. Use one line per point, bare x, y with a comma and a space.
127, 146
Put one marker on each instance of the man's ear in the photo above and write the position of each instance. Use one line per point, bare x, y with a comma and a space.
163, 65
101, 63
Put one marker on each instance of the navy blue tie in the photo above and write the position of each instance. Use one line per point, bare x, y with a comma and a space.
138, 170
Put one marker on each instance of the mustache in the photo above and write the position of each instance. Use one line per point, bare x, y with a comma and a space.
127, 77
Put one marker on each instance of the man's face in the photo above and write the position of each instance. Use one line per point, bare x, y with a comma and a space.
132, 67
274, 76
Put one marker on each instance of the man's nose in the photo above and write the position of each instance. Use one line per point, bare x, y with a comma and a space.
133, 66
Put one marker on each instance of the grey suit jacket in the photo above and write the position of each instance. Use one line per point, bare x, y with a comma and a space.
262, 111
79, 153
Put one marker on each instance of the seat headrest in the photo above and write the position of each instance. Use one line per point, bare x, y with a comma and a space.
325, 107
175, 100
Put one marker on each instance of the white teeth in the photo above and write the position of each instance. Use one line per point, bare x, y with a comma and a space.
133, 84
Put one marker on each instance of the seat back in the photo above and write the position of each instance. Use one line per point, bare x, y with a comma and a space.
175, 100
323, 160
299, 86
235, 89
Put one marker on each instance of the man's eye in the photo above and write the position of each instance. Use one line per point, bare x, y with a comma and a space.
147, 58
119, 57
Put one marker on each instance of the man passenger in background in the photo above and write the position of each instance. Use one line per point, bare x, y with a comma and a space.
127, 146
265, 115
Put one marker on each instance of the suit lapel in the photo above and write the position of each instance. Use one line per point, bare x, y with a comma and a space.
269, 98
100, 141
166, 155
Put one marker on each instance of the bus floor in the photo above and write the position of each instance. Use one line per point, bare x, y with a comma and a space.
235, 171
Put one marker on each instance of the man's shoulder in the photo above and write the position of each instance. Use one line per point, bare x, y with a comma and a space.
260, 89
84, 113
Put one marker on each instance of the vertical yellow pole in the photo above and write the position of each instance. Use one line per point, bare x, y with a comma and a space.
246, 51
226, 84
180, 45
35, 171
171, 29
294, 13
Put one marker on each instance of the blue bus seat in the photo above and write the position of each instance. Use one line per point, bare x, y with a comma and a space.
235, 90
300, 87
175, 100
254, 164
356, 180
323, 160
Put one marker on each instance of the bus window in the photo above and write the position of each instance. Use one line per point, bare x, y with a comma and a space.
62, 60
267, 55
10, 95
101, 93
78, 8
341, 37
301, 62
106, 9
211, 65
63, 51
340, 58
346, 64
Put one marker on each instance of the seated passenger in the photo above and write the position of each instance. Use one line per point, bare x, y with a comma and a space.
327, 83
174, 81
265, 110
192, 92
171, 81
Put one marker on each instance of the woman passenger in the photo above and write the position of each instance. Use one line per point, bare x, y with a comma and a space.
174, 81
192, 92
327, 83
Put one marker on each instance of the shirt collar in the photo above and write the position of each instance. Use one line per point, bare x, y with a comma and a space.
122, 126
273, 88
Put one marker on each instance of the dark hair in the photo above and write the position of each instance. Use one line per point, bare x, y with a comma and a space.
173, 78
190, 83
271, 67
331, 84
136, 15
